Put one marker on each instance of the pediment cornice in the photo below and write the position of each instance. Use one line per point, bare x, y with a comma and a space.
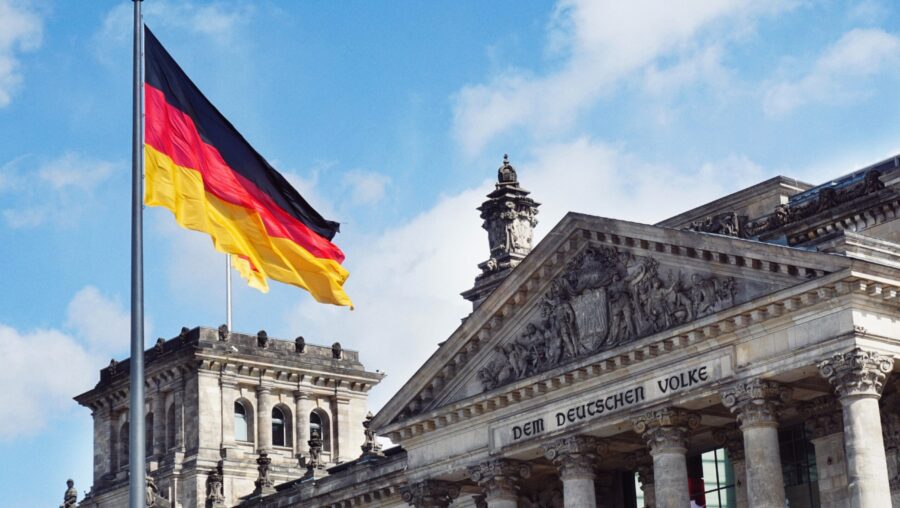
721, 255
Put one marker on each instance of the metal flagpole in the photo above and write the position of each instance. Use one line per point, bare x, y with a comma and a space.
136, 452
228, 291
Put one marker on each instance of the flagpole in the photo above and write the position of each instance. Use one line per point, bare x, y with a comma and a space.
136, 428
228, 291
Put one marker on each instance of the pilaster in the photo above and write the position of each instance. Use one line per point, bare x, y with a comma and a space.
263, 418
303, 406
824, 424
158, 405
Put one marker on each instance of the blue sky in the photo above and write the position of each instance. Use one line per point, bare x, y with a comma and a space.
390, 117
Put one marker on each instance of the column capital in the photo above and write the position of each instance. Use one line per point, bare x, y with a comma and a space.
756, 402
666, 429
301, 395
499, 478
732, 439
857, 373
823, 416
263, 389
575, 455
430, 494
642, 463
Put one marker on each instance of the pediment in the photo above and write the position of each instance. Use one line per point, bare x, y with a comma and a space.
591, 286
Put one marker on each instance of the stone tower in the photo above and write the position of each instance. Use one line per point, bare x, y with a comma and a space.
509, 218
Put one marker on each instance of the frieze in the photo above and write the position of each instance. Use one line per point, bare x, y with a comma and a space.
604, 298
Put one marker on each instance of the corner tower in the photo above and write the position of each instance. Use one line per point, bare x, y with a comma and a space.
509, 218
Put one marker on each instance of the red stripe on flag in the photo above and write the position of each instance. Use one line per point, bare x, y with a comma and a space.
172, 132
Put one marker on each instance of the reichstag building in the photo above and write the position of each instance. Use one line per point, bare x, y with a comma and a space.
739, 354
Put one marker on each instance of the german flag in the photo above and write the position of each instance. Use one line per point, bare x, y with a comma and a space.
200, 167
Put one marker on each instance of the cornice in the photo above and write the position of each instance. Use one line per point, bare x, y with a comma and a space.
789, 301
570, 236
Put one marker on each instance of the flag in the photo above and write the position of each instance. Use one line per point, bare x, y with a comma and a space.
199, 167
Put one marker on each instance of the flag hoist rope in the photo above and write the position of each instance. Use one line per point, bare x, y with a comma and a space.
136, 428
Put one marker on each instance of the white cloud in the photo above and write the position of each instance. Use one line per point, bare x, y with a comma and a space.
366, 187
64, 188
20, 31
405, 282
598, 44
838, 73
213, 21
42, 370
102, 321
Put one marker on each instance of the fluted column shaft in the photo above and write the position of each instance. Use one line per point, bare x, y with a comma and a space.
858, 378
756, 404
575, 457
264, 418
303, 406
665, 432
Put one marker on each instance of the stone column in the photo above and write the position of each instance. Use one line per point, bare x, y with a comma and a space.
499, 479
430, 494
824, 424
344, 435
733, 440
158, 405
642, 463
858, 378
665, 431
575, 457
263, 418
756, 404
303, 406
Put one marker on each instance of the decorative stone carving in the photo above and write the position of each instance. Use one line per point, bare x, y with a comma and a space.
183, 333
264, 484
215, 493
152, 491
824, 199
314, 461
756, 402
575, 456
371, 447
732, 439
666, 429
160, 345
113, 367
728, 223
857, 372
70, 498
223, 332
604, 298
642, 464
430, 494
337, 352
299, 344
262, 339
822, 416
500, 477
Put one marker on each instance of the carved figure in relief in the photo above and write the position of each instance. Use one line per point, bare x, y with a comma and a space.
604, 298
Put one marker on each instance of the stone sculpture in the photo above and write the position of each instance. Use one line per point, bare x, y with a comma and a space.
215, 494
604, 298
371, 447
70, 498
315, 451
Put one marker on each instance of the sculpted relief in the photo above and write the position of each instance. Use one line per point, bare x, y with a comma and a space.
604, 298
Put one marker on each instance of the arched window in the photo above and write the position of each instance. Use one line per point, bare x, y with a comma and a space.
318, 421
281, 426
241, 428
170, 427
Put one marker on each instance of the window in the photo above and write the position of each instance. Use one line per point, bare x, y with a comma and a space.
241, 427
318, 421
281, 426
148, 434
170, 427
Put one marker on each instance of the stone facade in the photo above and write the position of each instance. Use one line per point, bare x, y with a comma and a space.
202, 450
604, 366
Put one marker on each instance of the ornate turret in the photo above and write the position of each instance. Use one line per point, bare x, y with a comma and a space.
509, 218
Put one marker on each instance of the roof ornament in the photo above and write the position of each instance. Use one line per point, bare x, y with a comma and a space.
506, 174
